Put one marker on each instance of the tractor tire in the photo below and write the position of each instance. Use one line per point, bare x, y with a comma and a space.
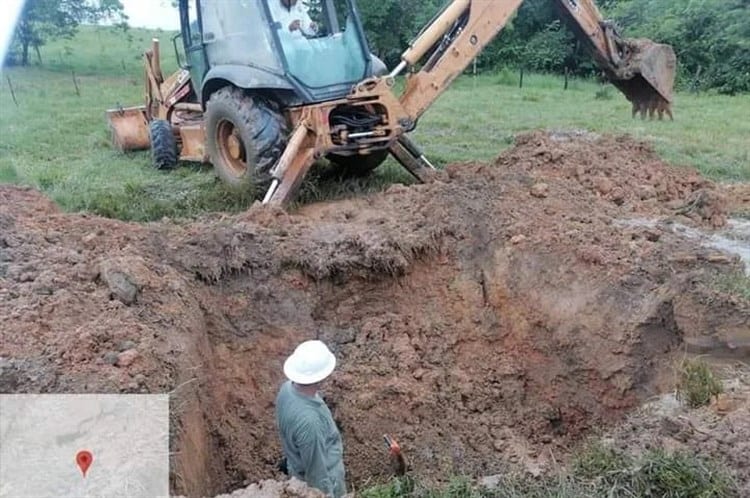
357, 165
245, 136
163, 144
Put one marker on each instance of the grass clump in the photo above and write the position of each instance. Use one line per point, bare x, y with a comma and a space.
604, 93
598, 461
559, 486
677, 475
737, 283
457, 487
597, 471
507, 77
395, 488
8, 174
657, 473
696, 383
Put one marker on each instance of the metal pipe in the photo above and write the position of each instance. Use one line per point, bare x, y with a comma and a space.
414, 150
271, 191
434, 32
361, 135
188, 106
428, 163
401, 66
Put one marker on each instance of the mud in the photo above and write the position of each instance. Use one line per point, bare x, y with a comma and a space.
489, 318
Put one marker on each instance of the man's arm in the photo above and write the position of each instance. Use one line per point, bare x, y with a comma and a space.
310, 441
307, 26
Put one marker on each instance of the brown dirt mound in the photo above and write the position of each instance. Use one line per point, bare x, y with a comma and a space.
490, 317
622, 171
738, 198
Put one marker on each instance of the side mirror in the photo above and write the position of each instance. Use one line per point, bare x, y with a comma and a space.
177, 52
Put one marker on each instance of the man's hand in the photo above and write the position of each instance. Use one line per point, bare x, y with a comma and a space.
295, 25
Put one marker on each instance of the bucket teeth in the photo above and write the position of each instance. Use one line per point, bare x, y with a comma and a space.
652, 107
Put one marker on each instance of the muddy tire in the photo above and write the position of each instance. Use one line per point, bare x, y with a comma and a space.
357, 166
163, 144
245, 136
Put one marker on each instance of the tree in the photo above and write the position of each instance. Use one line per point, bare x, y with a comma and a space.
391, 24
710, 37
44, 20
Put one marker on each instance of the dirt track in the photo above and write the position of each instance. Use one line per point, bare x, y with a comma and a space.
489, 318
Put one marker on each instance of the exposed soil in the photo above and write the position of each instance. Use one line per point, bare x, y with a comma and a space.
738, 198
720, 430
491, 317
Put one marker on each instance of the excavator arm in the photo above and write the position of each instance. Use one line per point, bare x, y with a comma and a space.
642, 70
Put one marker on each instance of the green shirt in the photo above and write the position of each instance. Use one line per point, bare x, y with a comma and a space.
310, 440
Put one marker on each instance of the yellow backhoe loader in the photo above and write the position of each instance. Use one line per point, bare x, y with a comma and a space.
265, 88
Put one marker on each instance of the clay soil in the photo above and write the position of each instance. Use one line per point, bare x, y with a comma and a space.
491, 318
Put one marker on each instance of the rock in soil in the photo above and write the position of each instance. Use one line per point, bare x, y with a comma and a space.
126, 358
111, 358
120, 284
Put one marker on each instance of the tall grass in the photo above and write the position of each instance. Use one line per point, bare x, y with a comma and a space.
697, 385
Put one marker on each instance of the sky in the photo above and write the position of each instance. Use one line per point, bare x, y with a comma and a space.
151, 14
141, 13
11, 8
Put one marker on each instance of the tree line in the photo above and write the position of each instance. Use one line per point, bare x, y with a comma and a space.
710, 37
44, 20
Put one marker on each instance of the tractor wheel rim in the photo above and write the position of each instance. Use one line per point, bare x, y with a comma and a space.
231, 148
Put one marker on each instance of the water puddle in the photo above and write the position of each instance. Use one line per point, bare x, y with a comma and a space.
734, 238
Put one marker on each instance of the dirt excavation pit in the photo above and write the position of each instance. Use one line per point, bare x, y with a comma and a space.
490, 319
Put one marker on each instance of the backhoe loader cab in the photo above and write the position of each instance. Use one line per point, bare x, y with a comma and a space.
247, 68
251, 45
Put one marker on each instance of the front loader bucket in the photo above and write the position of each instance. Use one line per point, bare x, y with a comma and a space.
651, 69
129, 128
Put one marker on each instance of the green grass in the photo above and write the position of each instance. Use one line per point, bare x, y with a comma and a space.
597, 471
598, 461
696, 383
735, 283
58, 141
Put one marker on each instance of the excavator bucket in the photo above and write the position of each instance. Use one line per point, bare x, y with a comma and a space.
652, 66
657, 64
129, 128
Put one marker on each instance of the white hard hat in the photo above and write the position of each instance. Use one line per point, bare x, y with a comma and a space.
310, 363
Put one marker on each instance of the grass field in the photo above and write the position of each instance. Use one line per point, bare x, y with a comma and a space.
58, 141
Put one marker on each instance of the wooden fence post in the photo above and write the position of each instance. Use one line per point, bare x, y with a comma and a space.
75, 83
694, 83
12, 93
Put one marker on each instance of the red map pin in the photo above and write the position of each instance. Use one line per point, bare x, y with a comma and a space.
84, 459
